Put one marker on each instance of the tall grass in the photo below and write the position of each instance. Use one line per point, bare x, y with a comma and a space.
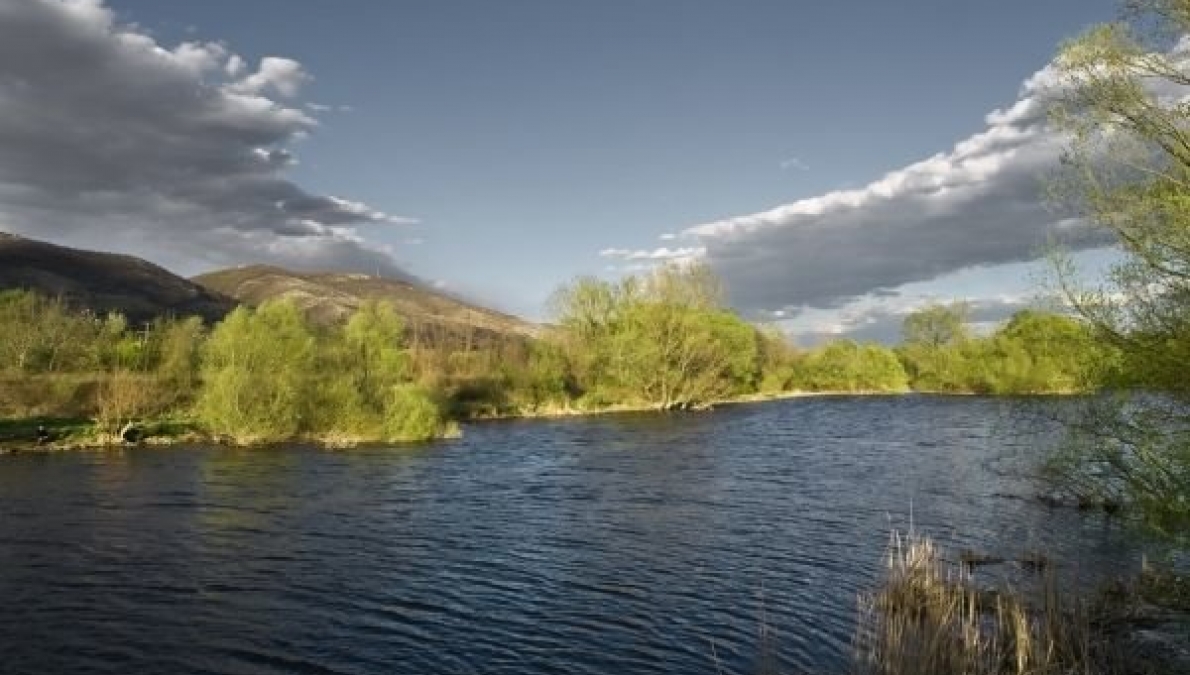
929, 618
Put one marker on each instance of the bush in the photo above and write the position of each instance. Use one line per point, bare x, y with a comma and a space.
412, 415
256, 372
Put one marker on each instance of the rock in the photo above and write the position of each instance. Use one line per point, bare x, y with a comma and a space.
131, 433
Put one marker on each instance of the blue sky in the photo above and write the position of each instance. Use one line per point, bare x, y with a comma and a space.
525, 137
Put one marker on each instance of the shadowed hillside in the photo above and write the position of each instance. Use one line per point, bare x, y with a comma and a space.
104, 282
332, 297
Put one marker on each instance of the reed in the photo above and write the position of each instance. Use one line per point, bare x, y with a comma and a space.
929, 618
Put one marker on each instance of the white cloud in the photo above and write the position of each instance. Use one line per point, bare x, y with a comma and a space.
980, 203
112, 141
276, 74
662, 254
793, 163
234, 66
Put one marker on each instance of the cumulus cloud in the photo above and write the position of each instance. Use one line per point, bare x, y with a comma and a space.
662, 254
111, 140
980, 203
276, 74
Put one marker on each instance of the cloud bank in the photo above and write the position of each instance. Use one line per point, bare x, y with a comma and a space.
109, 140
978, 204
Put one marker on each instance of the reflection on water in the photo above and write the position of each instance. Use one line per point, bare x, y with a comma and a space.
620, 544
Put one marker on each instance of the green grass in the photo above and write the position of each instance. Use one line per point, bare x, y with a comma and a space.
24, 430
74, 432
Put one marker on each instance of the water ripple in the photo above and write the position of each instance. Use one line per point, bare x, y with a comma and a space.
626, 544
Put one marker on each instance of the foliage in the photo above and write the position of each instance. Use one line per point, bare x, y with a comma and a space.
42, 335
412, 415
538, 376
125, 396
1033, 353
778, 360
663, 340
937, 326
845, 366
1130, 449
174, 351
1126, 170
256, 374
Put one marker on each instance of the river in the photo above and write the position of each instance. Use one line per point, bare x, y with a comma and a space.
621, 544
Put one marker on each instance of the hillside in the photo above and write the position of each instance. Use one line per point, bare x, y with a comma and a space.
331, 297
104, 282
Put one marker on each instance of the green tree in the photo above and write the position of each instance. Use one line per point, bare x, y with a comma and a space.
361, 390
937, 325
934, 349
175, 349
1127, 170
373, 352
778, 360
1038, 352
21, 315
846, 366
664, 339
256, 371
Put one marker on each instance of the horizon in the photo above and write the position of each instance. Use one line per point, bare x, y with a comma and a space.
527, 153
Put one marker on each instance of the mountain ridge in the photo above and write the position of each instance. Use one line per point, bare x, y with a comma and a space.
141, 290
330, 297
104, 282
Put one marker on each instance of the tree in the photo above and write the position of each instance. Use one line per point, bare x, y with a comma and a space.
373, 351
935, 344
1039, 352
256, 371
176, 346
1127, 170
846, 366
663, 339
937, 325
778, 359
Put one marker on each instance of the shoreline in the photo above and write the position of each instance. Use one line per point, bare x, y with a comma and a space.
77, 439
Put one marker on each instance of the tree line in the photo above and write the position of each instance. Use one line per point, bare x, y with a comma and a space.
665, 340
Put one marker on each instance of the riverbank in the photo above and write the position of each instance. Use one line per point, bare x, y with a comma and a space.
21, 435
557, 412
73, 433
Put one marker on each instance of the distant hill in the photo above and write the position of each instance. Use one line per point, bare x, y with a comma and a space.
331, 297
104, 282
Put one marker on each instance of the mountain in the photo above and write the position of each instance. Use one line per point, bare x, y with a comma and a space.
331, 297
104, 282
109, 282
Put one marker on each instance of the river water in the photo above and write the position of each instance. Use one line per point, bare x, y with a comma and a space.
685, 543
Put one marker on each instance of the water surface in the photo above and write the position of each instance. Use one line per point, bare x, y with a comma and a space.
619, 544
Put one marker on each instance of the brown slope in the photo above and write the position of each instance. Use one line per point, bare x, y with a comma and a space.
332, 297
104, 282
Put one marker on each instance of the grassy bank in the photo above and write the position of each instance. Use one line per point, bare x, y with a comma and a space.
80, 433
